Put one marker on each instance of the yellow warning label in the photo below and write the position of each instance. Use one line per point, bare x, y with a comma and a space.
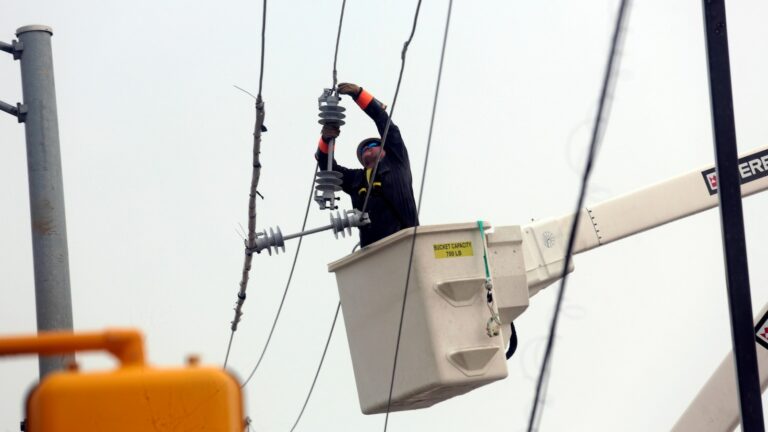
453, 250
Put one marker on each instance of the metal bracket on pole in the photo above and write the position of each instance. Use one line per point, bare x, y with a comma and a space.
19, 111
15, 48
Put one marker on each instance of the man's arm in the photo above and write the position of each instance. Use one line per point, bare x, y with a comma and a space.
394, 145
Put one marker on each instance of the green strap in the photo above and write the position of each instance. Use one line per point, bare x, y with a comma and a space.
485, 257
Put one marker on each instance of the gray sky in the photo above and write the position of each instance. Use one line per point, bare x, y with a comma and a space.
156, 147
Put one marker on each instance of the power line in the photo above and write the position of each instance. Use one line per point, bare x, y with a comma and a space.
263, 34
255, 175
229, 347
306, 212
597, 133
288, 283
418, 208
319, 366
338, 37
392, 109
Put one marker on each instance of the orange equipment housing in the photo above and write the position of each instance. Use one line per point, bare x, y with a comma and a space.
133, 397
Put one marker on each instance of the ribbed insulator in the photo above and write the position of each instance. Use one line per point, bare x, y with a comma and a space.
328, 181
331, 113
268, 240
345, 221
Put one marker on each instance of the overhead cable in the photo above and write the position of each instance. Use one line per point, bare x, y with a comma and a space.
338, 37
319, 366
287, 284
255, 175
263, 33
303, 224
418, 207
598, 129
322, 359
392, 108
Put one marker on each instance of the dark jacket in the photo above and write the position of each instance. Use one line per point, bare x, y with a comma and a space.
392, 206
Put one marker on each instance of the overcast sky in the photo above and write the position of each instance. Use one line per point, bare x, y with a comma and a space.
156, 150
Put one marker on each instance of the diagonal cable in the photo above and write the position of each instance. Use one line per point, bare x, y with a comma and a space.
319, 366
394, 102
306, 214
418, 209
287, 284
598, 129
322, 359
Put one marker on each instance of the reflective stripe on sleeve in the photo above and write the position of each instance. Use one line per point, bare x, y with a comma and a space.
364, 99
322, 146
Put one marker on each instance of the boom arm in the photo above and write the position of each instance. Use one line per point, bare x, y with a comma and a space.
715, 408
673, 199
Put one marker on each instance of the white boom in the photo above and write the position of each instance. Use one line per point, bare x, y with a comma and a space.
650, 207
715, 408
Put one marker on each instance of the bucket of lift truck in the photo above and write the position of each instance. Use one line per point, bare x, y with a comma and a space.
444, 350
133, 397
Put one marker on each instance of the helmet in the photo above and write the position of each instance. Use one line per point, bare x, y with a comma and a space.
368, 142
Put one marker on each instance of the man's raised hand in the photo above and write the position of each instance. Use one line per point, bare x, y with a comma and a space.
349, 89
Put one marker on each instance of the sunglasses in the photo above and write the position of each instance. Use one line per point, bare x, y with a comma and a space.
372, 145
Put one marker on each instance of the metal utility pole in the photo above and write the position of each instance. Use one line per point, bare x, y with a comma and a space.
46, 191
728, 183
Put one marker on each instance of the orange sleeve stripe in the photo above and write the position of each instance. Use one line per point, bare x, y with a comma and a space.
322, 146
364, 99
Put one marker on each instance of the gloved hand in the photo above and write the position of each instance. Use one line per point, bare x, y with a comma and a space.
349, 89
329, 132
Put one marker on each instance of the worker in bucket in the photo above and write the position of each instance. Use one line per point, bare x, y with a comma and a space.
391, 206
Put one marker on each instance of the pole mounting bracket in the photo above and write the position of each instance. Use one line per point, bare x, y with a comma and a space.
19, 111
15, 48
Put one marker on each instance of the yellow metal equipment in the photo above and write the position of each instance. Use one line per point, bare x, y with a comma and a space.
133, 397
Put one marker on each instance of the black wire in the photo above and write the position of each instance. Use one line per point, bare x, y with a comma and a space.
597, 130
317, 373
392, 109
287, 284
263, 33
229, 346
298, 247
338, 37
418, 210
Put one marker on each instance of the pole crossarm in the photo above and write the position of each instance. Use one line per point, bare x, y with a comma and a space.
15, 48
19, 111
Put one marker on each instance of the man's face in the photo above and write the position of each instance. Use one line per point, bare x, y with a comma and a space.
370, 154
